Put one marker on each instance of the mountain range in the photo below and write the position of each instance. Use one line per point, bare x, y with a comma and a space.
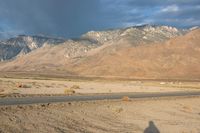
146, 51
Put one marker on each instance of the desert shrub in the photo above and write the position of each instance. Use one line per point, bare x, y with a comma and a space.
48, 86
125, 98
26, 86
6, 76
69, 91
20, 85
119, 110
75, 87
3, 95
1, 90
187, 109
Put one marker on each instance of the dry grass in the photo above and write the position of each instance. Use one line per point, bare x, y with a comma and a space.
119, 110
187, 109
48, 86
75, 87
69, 91
3, 95
1, 90
20, 85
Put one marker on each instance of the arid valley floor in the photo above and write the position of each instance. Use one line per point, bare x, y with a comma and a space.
168, 114
49, 86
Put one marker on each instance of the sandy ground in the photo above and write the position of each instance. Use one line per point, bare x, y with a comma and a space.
168, 115
31, 86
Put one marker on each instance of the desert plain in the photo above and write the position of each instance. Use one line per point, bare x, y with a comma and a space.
164, 115
168, 115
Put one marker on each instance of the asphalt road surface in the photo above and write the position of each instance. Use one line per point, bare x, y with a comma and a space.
54, 99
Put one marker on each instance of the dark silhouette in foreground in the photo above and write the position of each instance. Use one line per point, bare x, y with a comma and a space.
151, 128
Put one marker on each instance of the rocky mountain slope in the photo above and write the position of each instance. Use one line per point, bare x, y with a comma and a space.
22, 44
176, 58
136, 52
135, 34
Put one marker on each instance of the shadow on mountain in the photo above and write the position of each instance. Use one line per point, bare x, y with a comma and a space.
151, 128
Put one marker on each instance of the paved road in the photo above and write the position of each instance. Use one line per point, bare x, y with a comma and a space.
53, 99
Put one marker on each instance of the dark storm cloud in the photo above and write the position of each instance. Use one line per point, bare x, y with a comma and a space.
71, 18
53, 17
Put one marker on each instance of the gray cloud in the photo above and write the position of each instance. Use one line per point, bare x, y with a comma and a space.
71, 18
67, 18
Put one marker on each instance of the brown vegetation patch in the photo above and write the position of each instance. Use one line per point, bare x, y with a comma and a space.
69, 91
75, 87
126, 98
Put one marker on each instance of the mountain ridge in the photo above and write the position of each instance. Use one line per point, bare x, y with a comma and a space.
176, 58
166, 52
23, 44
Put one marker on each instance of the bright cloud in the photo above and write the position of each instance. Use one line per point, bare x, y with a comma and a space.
171, 8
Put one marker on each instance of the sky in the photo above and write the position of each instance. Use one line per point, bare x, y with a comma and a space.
71, 18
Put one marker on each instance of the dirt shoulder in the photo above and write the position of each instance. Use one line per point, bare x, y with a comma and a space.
167, 114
